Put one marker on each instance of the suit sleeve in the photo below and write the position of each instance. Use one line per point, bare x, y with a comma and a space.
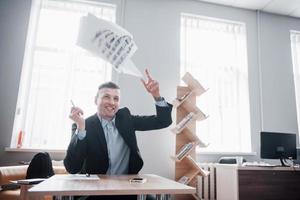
162, 119
76, 153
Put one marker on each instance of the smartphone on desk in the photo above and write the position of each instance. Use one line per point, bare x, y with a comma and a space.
137, 180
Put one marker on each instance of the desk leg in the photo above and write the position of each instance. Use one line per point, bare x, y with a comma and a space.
142, 197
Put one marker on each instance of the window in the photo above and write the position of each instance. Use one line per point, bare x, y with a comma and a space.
215, 52
55, 71
295, 44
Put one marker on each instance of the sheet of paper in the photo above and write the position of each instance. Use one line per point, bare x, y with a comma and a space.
108, 41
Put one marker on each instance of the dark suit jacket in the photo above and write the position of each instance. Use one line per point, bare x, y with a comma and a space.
90, 154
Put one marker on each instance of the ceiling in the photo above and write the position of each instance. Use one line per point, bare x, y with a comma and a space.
282, 7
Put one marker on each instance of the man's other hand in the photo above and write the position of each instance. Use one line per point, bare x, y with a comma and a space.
77, 116
151, 85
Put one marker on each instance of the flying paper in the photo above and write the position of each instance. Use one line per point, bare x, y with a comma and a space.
108, 41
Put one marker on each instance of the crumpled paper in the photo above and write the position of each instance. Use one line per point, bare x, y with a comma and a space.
110, 42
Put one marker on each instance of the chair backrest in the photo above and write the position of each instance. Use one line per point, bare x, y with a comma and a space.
40, 166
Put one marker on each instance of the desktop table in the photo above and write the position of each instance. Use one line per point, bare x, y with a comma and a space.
257, 182
73, 185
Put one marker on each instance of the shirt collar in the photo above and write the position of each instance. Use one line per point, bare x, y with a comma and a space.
104, 122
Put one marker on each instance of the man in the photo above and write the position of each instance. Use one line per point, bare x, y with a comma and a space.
105, 143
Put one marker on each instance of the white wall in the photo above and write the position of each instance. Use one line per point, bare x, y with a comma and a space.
155, 25
278, 92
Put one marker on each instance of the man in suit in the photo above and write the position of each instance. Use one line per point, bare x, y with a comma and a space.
105, 143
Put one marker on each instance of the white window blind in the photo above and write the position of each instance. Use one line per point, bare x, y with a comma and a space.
55, 71
295, 44
215, 52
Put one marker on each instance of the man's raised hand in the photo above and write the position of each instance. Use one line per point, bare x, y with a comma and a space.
151, 85
76, 115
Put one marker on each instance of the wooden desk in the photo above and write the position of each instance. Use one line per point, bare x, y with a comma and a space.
274, 183
24, 194
259, 183
64, 185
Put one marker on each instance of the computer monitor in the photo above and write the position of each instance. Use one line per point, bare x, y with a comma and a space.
275, 145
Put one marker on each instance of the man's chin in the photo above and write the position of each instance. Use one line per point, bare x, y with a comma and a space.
110, 115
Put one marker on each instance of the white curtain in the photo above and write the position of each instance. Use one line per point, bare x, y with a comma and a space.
55, 71
215, 52
295, 44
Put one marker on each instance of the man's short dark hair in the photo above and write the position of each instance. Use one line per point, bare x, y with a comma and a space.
109, 84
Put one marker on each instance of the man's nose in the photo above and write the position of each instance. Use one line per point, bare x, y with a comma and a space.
111, 101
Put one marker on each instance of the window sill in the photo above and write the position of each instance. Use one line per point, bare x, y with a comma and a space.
9, 149
228, 153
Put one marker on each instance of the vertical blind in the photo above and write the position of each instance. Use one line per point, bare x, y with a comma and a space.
215, 52
55, 71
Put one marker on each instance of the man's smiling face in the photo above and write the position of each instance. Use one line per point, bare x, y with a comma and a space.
108, 102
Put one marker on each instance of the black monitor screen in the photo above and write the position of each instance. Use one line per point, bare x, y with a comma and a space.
277, 145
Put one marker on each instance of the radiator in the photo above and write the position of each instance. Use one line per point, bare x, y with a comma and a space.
207, 186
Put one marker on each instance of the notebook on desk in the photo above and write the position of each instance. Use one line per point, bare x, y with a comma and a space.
30, 181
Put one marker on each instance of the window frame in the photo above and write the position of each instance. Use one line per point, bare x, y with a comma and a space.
26, 72
183, 69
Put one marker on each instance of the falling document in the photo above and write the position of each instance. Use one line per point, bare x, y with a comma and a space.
108, 41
